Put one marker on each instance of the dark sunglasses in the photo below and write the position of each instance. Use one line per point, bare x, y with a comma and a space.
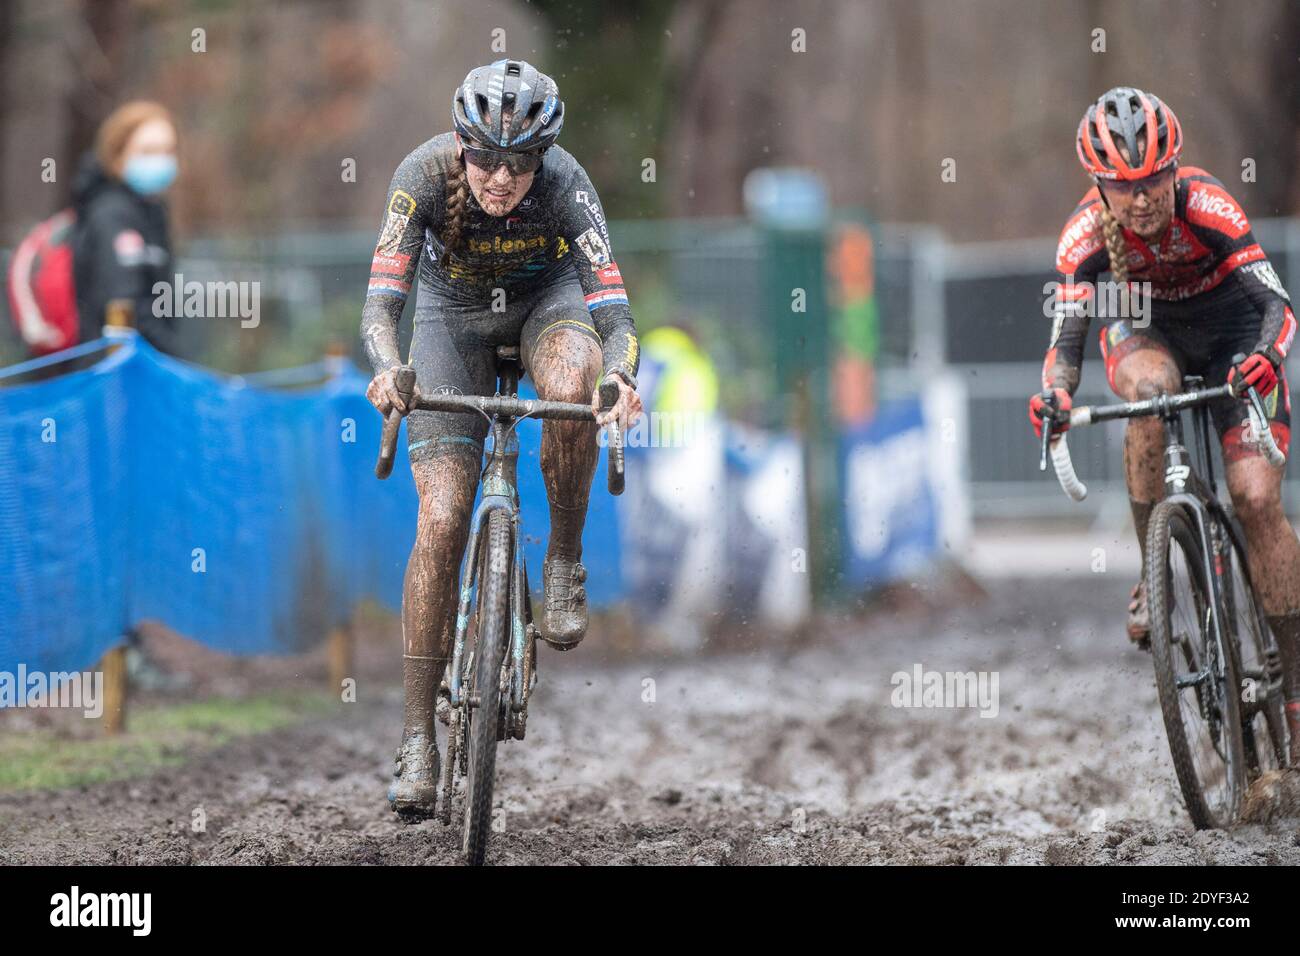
1130, 187
490, 159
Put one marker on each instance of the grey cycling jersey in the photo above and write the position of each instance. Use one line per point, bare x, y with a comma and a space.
557, 229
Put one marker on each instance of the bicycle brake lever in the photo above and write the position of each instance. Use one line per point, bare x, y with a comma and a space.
404, 379
1048, 421
609, 392
1239, 381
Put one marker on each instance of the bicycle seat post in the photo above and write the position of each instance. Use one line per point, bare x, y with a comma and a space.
508, 370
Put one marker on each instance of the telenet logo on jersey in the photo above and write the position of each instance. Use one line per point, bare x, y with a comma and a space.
497, 246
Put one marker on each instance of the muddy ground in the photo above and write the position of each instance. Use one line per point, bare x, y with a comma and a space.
749, 756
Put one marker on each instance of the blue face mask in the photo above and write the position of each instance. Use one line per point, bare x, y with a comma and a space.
150, 174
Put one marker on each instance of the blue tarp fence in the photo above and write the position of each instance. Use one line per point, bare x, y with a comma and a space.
244, 516
244, 512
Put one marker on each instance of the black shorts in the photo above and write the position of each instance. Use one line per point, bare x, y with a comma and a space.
1202, 334
454, 347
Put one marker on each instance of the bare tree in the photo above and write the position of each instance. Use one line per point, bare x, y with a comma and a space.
96, 39
7, 21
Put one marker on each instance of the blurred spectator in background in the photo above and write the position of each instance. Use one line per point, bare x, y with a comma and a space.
681, 377
855, 325
676, 571
121, 246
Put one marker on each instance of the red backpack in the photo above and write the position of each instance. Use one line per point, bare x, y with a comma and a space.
42, 297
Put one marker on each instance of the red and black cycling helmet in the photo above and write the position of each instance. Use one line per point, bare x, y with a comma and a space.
531, 97
1119, 118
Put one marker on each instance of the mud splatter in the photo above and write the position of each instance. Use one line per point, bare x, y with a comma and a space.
769, 755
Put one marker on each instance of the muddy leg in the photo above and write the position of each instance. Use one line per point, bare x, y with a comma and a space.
1144, 374
565, 367
446, 484
1273, 552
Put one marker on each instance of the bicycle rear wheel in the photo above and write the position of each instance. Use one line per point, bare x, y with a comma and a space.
1197, 685
1263, 721
484, 710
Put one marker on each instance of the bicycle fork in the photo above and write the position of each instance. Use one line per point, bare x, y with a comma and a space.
1183, 485
499, 494
469, 578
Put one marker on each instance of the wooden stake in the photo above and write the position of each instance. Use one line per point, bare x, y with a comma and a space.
339, 656
113, 667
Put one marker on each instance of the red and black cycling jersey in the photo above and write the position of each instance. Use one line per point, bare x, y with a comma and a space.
1208, 243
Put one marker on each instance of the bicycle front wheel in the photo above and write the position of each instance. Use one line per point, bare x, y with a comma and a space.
485, 692
1196, 684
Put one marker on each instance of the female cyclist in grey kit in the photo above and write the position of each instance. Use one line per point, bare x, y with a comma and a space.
512, 248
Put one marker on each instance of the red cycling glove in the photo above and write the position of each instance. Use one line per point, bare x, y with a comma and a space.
1063, 403
1258, 371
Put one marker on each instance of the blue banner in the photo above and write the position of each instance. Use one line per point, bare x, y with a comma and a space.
890, 510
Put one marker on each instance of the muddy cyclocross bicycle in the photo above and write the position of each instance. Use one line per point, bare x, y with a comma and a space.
492, 672
1218, 672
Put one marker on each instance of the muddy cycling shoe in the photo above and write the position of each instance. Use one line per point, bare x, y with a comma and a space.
1139, 617
413, 794
564, 621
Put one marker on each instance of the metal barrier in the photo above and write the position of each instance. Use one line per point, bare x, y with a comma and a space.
976, 308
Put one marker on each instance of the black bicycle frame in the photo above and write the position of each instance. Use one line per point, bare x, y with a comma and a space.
1184, 483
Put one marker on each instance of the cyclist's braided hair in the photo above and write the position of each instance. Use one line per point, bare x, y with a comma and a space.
1116, 247
1117, 252
457, 200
